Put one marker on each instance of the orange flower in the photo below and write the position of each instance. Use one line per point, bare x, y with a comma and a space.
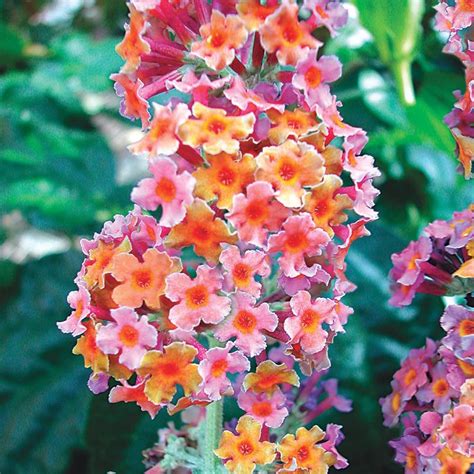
133, 46
224, 178
290, 123
301, 451
168, 369
289, 167
215, 131
162, 138
142, 281
284, 34
325, 206
465, 146
202, 229
220, 38
245, 449
268, 376
253, 13
101, 258
453, 462
87, 347
466, 270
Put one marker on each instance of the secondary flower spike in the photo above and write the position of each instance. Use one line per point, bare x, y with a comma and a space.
223, 284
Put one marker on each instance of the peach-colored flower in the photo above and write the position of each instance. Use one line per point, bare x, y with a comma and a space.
224, 178
142, 281
290, 123
257, 213
80, 301
168, 368
283, 34
215, 130
458, 429
133, 46
325, 205
162, 137
289, 168
269, 410
453, 462
244, 450
220, 38
268, 376
87, 347
203, 230
197, 298
253, 12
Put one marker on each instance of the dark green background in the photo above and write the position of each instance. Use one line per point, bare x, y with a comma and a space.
58, 175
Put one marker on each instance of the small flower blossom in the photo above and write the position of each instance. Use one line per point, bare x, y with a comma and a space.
458, 429
226, 176
203, 230
215, 130
168, 189
268, 376
214, 368
80, 301
220, 38
257, 213
87, 347
290, 167
283, 34
247, 323
267, 410
197, 298
305, 327
303, 452
134, 393
242, 269
438, 391
168, 368
290, 123
162, 137
142, 281
128, 335
299, 239
253, 12
245, 450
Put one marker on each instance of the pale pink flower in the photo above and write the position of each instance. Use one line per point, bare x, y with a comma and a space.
197, 298
79, 301
247, 323
299, 238
169, 189
257, 213
128, 335
313, 73
329, 13
458, 429
241, 270
305, 327
439, 391
219, 362
266, 409
162, 138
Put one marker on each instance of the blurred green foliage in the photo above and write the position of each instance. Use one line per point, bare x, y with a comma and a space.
58, 174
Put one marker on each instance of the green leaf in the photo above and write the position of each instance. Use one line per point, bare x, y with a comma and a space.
11, 45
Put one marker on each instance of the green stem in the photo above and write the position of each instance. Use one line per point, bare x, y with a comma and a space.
214, 419
402, 73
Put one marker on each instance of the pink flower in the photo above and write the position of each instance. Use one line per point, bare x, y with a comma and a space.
162, 138
411, 376
197, 298
407, 262
313, 73
168, 189
458, 322
306, 325
247, 323
299, 239
266, 409
392, 405
439, 391
257, 213
128, 335
79, 300
241, 270
407, 453
458, 429
214, 368
331, 14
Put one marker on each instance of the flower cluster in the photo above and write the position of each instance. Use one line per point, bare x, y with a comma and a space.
226, 279
456, 19
433, 394
440, 262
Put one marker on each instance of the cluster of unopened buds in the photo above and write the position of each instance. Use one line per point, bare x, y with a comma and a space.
226, 279
440, 262
433, 394
456, 18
